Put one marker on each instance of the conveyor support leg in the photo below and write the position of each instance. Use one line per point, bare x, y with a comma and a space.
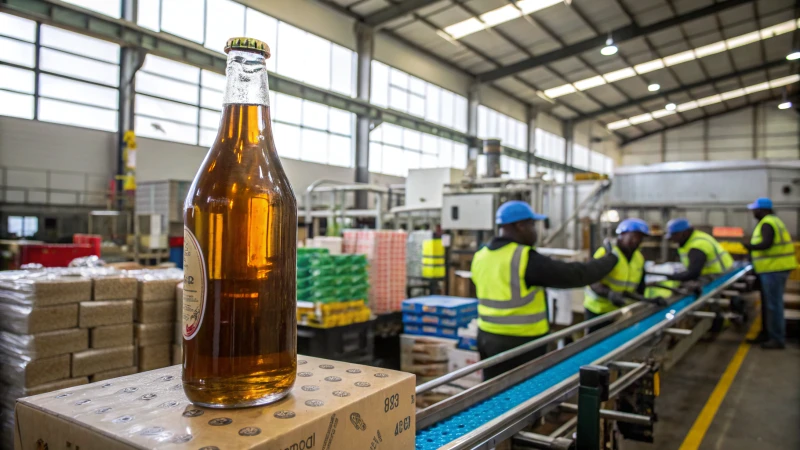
592, 392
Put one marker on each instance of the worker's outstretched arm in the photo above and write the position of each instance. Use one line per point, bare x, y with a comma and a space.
697, 260
547, 272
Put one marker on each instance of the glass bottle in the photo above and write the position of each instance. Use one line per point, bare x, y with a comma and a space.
240, 252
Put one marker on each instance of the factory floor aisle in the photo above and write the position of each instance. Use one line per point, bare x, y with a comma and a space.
760, 410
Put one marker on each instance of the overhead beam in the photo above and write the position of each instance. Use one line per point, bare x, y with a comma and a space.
684, 88
700, 119
620, 35
397, 11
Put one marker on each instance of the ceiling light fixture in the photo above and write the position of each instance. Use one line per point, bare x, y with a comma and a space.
497, 16
672, 108
610, 48
697, 53
654, 87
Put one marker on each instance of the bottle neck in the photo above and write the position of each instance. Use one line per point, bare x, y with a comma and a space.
245, 113
247, 82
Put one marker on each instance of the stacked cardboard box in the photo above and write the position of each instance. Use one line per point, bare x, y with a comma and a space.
438, 315
39, 332
155, 313
386, 255
424, 356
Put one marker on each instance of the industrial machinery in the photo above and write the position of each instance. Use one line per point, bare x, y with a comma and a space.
619, 362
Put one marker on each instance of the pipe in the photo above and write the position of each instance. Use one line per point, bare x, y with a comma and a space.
565, 428
543, 442
611, 414
680, 332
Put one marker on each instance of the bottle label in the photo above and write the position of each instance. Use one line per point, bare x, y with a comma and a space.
194, 285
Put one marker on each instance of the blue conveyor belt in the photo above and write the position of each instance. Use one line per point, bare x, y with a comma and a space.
479, 414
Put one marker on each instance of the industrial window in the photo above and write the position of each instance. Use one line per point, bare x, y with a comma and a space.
297, 54
77, 81
23, 226
394, 150
550, 146
395, 89
111, 8
494, 125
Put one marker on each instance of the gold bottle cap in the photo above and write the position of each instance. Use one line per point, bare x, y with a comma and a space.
247, 44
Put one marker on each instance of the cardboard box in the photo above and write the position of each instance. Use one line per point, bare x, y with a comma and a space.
334, 406
154, 333
114, 287
177, 354
90, 362
113, 373
111, 336
159, 289
51, 290
154, 357
54, 386
30, 320
18, 372
155, 312
43, 345
97, 314
458, 359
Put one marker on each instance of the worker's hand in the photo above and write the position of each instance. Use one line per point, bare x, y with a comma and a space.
617, 299
660, 301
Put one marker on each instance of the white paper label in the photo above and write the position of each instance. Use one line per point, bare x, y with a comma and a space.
194, 285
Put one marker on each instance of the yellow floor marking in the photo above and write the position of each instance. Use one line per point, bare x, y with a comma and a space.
703, 421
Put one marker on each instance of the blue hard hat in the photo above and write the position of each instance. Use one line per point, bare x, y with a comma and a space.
677, 225
761, 203
628, 225
515, 211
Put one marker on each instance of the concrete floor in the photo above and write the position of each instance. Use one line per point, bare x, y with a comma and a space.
760, 411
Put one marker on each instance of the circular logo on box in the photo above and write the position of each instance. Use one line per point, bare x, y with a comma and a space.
66, 394
381, 375
333, 379
301, 362
193, 413
362, 384
105, 385
326, 366
166, 378
152, 431
341, 393
123, 419
249, 431
168, 404
314, 403
310, 388
128, 390
83, 402
149, 396
353, 370
102, 410
177, 387
283, 414
304, 374
357, 422
181, 439
220, 421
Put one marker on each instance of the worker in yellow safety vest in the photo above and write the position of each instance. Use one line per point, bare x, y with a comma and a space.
625, 283
773, 256
699, 251
510, 278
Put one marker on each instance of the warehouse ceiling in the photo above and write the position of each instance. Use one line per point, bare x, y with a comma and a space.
547, 53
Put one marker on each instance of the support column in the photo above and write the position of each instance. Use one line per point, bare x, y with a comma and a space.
530, 142
473, 100
364, 50
569, 142
130, 61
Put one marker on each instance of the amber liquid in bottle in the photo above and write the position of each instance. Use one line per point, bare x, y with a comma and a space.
240, 326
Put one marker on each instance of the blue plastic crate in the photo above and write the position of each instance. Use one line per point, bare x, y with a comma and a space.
467, 343
432, 319
431, 330
442, 306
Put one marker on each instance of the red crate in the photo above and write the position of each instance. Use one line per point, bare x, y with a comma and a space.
95, 240
52, 255
175, 241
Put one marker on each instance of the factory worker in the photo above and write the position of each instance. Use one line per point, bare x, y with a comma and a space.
626, 280
510, 277
772, 253
699, 251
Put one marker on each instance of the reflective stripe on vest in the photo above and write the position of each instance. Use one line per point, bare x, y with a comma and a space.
506, 305
780, 256
718, 260
624, 277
